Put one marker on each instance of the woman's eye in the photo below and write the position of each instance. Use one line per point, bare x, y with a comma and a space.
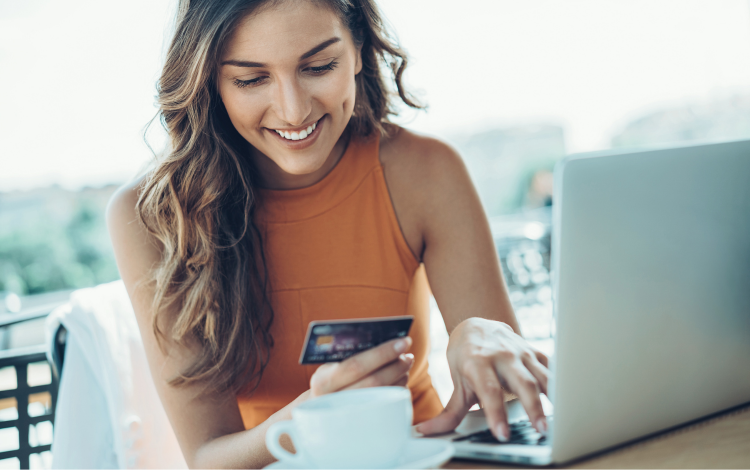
253, 81
313, 70
323, 68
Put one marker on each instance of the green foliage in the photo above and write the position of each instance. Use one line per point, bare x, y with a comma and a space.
49, 254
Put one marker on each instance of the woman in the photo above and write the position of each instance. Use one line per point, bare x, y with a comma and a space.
286, 196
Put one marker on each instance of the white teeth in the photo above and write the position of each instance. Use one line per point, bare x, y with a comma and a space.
298, 136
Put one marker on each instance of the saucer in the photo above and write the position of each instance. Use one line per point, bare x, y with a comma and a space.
420, 453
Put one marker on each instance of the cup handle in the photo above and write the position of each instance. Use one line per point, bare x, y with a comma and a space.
272, 441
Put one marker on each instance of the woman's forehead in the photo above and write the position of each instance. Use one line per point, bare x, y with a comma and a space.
284, 29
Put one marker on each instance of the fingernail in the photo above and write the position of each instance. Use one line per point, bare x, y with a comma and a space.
400, 345
502, 433
541, 426
409, 358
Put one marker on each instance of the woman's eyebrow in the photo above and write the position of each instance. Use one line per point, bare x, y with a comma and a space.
308, 54
319, 48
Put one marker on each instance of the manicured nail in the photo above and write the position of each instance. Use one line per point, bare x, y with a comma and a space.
409, 357
401, 345
502, 433
541, 426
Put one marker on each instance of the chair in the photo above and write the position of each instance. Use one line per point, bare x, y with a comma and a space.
27, 408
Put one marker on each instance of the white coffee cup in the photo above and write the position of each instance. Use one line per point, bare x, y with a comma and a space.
363, 428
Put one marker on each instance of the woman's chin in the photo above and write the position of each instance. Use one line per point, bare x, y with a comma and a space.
301, 170
306, 167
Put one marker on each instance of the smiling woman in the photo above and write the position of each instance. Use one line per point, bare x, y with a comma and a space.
274, 92
287, 196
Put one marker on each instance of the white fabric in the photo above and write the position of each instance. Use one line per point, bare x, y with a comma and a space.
108, 412
83, 435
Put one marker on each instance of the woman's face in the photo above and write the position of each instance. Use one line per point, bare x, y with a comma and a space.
287, 82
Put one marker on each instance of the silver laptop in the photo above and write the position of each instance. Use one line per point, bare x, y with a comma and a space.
651, 283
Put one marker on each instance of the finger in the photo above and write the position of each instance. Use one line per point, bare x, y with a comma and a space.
402, 381
320, 380
539, 371
451, 416
386, 375
524, 385
484, 381
336, 376
541, 357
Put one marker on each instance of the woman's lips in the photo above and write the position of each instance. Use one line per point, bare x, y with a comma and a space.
299, 144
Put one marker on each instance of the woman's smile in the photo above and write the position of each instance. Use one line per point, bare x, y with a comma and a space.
298, 138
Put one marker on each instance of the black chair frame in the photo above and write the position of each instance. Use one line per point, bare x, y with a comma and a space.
20, 358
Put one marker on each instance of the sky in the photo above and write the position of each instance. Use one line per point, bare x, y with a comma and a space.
77, 78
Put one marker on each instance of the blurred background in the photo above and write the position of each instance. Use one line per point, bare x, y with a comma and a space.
514, 85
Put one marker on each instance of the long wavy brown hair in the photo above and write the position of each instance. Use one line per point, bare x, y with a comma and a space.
211, 286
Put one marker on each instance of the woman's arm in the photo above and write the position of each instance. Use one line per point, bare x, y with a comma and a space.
198, 422
209, 429
444, 223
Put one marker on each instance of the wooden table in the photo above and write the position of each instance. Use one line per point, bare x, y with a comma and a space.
721, 441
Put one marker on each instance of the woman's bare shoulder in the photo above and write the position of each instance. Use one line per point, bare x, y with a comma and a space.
422, 168
121, 209
427, 181
418, 155
135, 249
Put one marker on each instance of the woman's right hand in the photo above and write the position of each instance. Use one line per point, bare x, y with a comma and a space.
384, 365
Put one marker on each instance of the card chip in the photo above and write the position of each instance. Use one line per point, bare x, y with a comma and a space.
324, 340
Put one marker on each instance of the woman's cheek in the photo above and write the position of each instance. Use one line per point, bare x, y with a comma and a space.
342, 92
242, 112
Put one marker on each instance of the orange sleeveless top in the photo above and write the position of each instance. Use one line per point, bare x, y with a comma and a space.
335, 250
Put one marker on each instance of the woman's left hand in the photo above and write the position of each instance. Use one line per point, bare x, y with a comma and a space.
485, 358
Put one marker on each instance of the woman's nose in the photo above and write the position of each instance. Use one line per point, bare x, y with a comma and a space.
293, 102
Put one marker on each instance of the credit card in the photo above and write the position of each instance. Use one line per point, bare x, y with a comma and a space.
335, 340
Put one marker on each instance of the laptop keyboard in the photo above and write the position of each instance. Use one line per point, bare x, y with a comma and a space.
521, 432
